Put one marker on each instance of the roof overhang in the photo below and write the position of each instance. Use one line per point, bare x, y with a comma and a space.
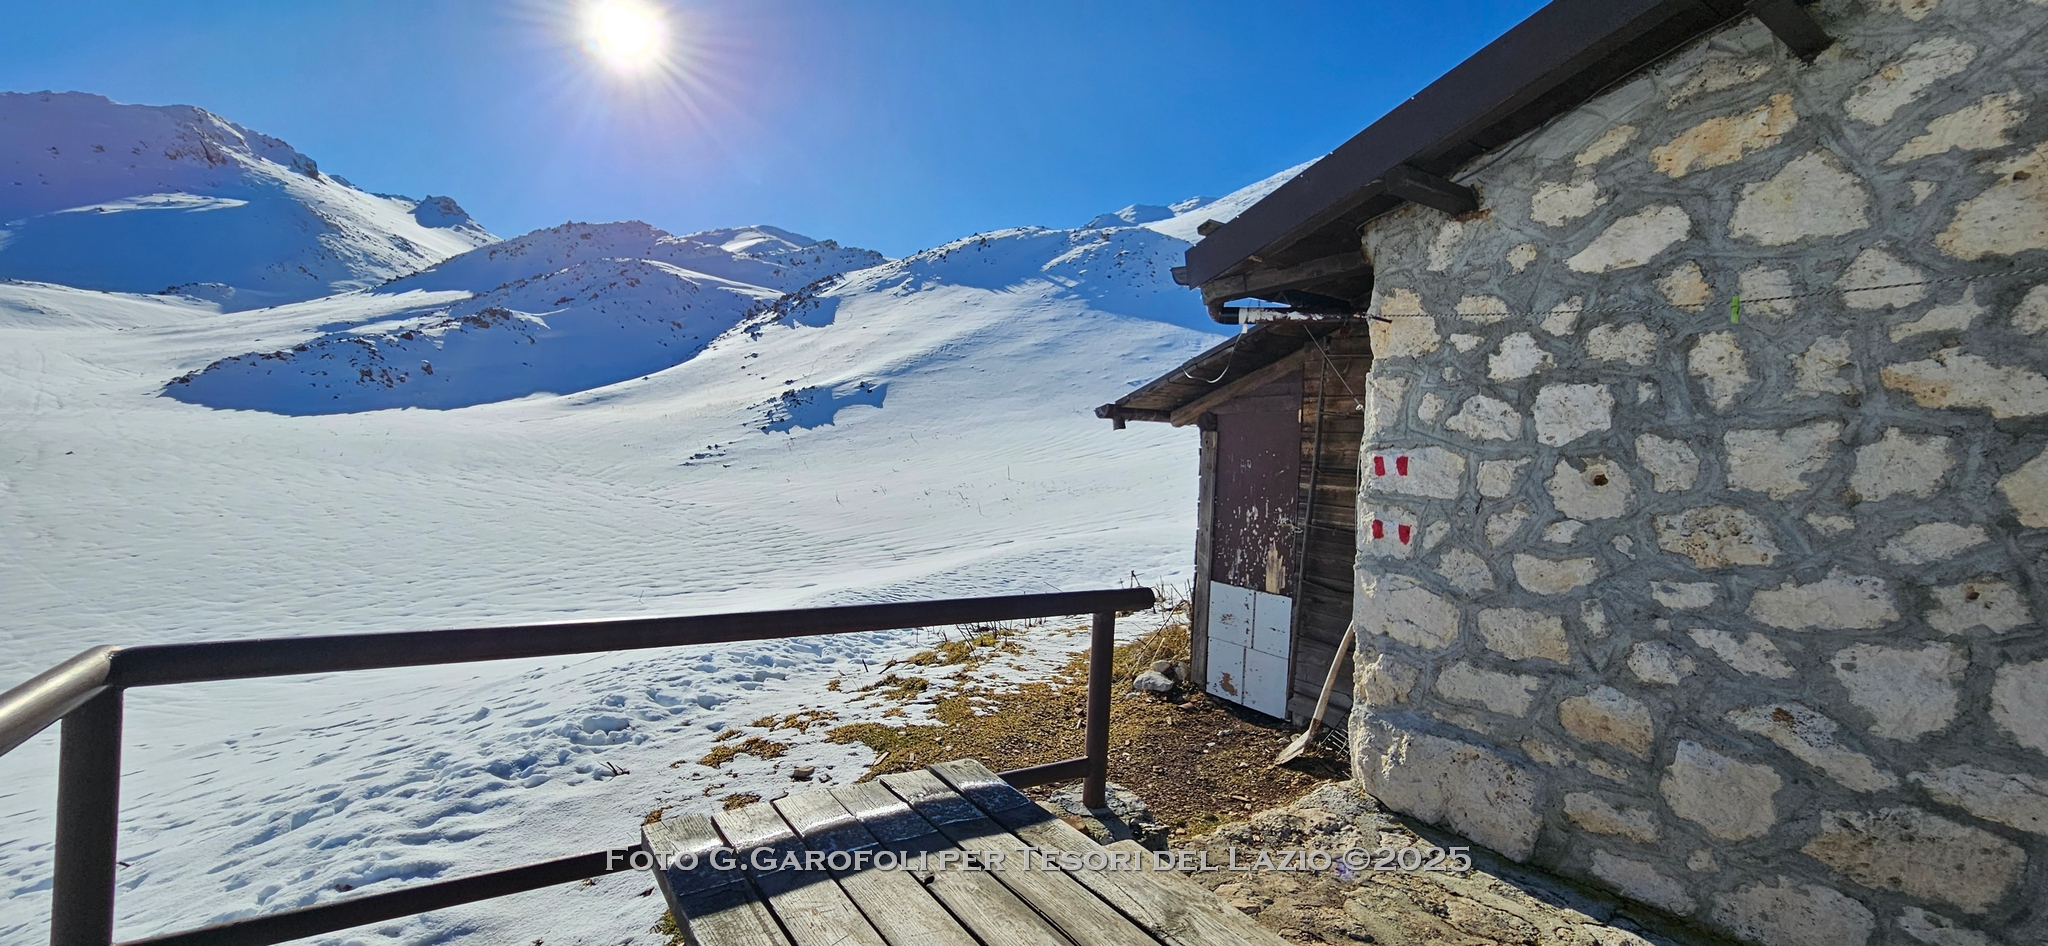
1247, 360
1303, 237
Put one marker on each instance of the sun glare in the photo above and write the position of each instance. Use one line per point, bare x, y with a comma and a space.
628, 36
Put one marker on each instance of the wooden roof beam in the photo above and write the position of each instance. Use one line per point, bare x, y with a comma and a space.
1273, 279
1193, 410
1792, 25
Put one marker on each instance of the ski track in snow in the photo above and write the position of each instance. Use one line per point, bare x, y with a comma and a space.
918, 429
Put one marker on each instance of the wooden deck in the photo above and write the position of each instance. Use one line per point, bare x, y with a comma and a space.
954, 807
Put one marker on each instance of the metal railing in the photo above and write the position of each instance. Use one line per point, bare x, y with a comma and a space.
85, 692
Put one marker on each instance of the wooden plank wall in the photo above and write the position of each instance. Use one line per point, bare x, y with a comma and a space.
1323, 599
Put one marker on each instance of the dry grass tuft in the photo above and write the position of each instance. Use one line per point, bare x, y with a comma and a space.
754, 746
740, 800
1197, 763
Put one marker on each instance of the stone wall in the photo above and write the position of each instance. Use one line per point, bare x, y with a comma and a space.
1738, 618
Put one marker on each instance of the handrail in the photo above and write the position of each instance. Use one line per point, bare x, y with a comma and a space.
51, 695
86, 693
157, 664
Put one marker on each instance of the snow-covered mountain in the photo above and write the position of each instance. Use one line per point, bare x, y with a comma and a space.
582, 306
654, 424
768, 257
136, 198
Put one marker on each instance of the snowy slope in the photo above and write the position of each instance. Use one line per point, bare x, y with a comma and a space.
555, 311
1189, 215
769, 257
136, 198
919, 428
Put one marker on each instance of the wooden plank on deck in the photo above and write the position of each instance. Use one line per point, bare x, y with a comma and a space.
713, 907
812, 908
1175, 909
981, 902
900, 907
1079, 913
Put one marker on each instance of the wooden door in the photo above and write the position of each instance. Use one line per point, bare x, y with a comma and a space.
1254, 547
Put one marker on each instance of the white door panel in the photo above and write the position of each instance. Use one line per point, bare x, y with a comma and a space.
1272, 623
1230, 615
1265, 683
1226, 671
1250, 637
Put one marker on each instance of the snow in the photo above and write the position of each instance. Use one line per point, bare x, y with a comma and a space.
134, 198
891, 430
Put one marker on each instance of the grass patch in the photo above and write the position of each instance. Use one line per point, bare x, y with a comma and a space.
975, 648
801, 720
1198, 763
754, 746
739, 800
899, 688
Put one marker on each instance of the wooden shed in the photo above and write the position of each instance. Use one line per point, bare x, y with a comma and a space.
1279, 410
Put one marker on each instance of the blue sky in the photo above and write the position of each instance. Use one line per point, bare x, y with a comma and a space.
895, 126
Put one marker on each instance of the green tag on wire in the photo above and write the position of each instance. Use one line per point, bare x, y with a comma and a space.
1735, 310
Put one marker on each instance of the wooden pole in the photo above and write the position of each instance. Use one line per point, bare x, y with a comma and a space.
1101, 651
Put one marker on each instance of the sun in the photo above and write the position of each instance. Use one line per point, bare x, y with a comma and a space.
627, 36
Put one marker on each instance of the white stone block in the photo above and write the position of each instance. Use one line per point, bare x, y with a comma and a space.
1633, 240
1465, 571
1810, 737
2027, 490
1598, 489
1607, 715
1598, 815
1778, 462
1660, 663
1812, 196
1497, 477
1566, 412
1673, 465
1952, 379
1486, 418
1908, 691
1900, 464
2019, 702
1506, 693
1932, 542
1754, 654
1435, 472
1522, 634
1633, 343
1547, 576
1920, 854
1717, 537
1399, 607
1732, 800
1902, 80
1793, 914
1990, 604
2013, 799
1470, 789
1716, 359
1839, 602
1684, 595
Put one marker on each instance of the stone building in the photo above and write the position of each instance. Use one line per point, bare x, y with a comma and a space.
1709, 339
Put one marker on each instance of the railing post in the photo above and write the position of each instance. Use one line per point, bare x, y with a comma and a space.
88, 811
1101, 654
